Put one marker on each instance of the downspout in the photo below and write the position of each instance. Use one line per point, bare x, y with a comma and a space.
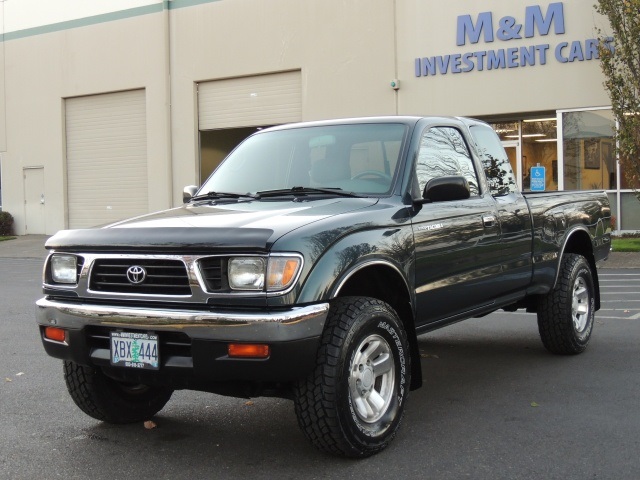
166, 12
3, 134
395, 51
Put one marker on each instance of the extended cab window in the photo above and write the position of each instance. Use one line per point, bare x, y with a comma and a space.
443, 152
495, 161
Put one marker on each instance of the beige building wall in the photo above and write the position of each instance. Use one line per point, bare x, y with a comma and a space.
3, 110
344, 50
42, 70
347, 52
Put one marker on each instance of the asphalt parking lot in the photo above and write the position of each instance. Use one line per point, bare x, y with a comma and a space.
495, 405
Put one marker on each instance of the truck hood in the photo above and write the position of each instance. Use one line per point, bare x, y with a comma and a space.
207, 226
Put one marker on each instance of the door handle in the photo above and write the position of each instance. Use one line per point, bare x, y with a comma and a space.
42, 199
489, 220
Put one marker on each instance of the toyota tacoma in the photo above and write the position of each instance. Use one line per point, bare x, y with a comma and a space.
307, 265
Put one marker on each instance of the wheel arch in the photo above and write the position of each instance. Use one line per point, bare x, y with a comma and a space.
578, 241
384, 281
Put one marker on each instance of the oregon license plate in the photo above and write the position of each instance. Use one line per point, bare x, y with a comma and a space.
135, 350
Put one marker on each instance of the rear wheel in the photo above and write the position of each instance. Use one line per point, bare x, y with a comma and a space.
111, 401
566, 314
353, 402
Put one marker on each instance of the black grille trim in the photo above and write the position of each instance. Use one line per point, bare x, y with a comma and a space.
79, 266
214, 273
163, 276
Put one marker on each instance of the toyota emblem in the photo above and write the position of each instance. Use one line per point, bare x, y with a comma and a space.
136, 274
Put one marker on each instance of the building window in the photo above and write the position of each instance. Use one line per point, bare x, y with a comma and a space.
578, 154
589, 161
530, 143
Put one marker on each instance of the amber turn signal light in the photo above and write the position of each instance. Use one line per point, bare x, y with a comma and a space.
55, 334
248, 350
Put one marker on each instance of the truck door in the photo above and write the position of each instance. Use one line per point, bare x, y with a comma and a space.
513, 212
457, 243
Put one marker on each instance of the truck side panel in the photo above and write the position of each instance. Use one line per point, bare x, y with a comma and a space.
578, 222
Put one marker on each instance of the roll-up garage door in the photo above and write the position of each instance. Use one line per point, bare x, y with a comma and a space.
250, 101
106, 158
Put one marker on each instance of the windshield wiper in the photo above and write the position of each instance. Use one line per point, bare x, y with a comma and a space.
219, 195
306, 191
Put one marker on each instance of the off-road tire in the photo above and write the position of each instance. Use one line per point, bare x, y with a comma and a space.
111, 401
353, 402
566, 314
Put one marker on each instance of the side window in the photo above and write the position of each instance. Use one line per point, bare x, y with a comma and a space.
496, 164
443, 152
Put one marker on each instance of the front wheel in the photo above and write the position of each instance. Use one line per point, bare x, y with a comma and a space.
566, 314
353, 402
106, 399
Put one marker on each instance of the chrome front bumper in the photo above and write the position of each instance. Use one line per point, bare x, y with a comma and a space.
279, 326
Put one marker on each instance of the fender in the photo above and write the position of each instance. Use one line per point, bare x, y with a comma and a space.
392, 247
567, 239
336, 291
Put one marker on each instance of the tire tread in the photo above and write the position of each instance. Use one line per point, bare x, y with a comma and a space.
315, 398
101, 398
554, 311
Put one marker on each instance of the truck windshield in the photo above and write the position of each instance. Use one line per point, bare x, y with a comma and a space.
361, 159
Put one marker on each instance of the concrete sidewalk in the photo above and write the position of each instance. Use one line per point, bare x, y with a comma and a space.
621, 260
24, 246
32, 246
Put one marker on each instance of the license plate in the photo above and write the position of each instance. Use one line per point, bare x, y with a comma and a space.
135, 350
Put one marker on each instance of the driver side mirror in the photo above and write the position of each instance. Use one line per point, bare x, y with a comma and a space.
188, 192
445, 189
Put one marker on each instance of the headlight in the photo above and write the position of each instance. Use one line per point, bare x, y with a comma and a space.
64, 268
257, 273
246, 273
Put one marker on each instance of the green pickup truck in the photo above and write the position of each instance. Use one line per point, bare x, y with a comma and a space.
306, 266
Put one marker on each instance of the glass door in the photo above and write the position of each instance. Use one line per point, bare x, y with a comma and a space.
512, 147
540, 149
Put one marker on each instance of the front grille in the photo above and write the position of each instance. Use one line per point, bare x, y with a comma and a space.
213, 270
161, 277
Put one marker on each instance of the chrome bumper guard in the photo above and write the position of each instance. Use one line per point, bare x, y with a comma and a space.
281, 326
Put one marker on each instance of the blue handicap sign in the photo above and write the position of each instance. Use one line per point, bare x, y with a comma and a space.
537, 179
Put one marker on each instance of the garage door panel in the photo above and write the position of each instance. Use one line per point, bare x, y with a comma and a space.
250, 101
106, 158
